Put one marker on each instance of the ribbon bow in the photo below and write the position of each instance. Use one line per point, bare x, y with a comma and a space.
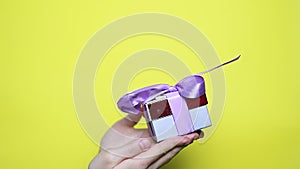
189, 87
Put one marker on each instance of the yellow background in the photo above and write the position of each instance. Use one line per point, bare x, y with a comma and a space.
40, 44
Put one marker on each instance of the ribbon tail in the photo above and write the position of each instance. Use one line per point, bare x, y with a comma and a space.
223, 64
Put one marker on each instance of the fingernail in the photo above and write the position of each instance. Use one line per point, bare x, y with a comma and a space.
145, 144
201, 135
197, 136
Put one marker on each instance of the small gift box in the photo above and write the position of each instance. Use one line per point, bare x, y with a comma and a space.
172, 115
170, 110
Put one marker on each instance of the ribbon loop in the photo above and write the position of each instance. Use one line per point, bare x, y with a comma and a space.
191, 86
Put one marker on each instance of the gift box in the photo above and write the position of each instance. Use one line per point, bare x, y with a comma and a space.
170, 110
171, 115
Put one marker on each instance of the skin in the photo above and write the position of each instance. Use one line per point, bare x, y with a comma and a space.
124, 147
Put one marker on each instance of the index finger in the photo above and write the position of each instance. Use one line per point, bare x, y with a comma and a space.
130, 120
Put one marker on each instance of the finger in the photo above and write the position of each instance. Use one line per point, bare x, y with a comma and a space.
165, 158
132, 148
156, 151
130, 120
169, 155
161, 152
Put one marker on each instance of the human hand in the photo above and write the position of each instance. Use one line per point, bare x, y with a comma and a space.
124, 147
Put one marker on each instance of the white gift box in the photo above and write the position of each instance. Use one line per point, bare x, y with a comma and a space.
171, 115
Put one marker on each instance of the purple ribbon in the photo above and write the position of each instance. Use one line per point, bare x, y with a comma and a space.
189, 87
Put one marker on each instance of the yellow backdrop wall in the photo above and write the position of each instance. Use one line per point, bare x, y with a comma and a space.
40, 44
